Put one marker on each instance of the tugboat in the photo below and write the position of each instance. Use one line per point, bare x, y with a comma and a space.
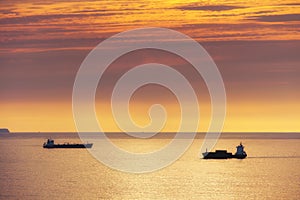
50, 144
223, 154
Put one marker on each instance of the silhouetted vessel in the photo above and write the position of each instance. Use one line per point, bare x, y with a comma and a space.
4, 130
50, 144
223, 154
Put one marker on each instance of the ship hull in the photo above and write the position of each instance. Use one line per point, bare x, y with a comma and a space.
222, 154
72, 146
239, 156
217, 155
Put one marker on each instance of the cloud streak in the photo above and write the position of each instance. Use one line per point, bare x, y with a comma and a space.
209, 7
49, 17
277, 18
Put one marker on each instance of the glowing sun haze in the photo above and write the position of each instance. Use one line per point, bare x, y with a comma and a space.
255, 45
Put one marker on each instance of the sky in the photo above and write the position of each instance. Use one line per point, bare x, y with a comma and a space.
255, 45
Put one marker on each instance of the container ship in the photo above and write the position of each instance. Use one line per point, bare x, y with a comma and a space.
223, 154
50, 144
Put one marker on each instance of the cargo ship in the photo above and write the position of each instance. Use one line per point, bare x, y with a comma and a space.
223, 154
50, 144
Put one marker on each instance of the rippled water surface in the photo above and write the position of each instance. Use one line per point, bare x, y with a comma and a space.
271, 170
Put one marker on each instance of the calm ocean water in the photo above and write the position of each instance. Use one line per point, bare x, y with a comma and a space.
271, 170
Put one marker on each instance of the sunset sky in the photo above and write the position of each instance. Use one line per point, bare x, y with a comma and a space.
255, 45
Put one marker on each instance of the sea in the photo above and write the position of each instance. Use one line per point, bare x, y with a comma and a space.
271, 170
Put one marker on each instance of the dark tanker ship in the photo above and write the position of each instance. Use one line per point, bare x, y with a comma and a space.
223, 154
50, 144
